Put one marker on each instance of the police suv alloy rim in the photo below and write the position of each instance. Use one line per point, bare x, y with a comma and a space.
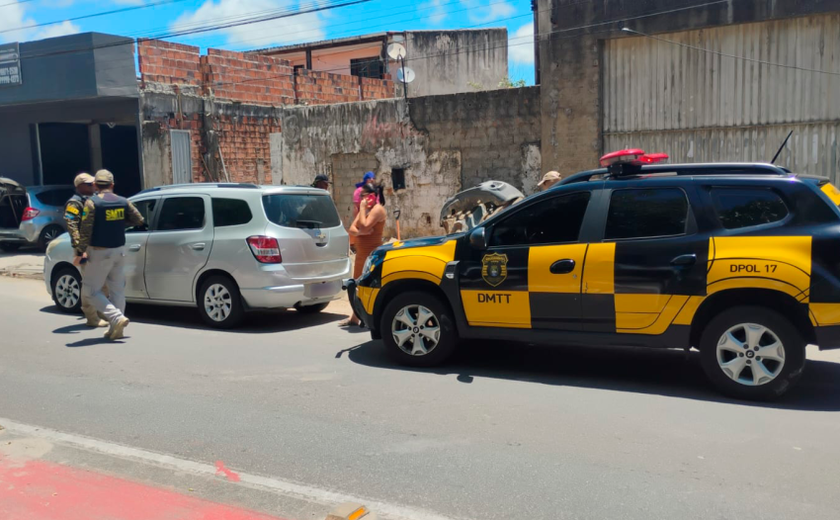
217, 302
416, 330
750, 354
67, 291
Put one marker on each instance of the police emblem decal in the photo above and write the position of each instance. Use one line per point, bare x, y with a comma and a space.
494, 269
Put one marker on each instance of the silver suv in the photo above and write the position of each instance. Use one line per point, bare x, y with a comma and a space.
32, 216
225, 248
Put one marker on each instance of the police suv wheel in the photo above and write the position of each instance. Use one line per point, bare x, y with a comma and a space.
418, 330
67, 290
219, 302
752, 353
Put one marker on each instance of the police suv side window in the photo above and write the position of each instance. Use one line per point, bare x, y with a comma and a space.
648, 212
180, 213
555, 220
230, 212
146, 208
744, 207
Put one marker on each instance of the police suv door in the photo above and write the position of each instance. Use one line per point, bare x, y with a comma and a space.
179, 246
530, 274
136, 239
651, 260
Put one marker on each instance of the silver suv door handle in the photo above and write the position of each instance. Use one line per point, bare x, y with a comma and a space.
198, 247
135, 247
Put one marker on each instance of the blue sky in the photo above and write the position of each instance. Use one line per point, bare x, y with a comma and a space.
374, 16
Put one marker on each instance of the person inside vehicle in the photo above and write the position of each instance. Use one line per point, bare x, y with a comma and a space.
549, 179
367, 229
322, 182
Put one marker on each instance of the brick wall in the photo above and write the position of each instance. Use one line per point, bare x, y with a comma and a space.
227, 101
248, 78
244, 143
169, 63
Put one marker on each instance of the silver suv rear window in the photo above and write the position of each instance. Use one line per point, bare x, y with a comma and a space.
305, 211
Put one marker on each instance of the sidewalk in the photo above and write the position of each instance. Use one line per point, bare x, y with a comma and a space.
27, 263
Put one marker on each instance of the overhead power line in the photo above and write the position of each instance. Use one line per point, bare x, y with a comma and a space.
15, 3
92, 15
317, 6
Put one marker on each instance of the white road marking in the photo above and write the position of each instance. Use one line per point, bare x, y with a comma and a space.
290, 489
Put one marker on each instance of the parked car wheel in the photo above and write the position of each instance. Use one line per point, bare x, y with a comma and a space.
49, 234
752, 353
9, 247
418, 330
220, 303
67, 290
311, 309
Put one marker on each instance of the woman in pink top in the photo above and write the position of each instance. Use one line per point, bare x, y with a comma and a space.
357, 199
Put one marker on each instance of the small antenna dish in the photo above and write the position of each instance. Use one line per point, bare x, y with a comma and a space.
405, 75
396, 51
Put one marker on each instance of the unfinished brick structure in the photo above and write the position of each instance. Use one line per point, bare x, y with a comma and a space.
229, 102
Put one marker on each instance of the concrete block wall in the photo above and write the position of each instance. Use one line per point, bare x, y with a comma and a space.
443, 143
496, 132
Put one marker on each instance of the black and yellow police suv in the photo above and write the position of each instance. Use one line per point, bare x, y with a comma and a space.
741, 261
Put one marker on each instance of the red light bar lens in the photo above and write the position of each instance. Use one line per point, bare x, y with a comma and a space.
621, 156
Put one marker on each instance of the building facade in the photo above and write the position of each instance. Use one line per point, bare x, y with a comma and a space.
443, 62
74, 108
701, 81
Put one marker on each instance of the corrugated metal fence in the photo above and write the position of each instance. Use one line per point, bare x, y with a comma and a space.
699, 106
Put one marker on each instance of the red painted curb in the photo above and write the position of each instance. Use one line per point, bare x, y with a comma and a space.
38, 490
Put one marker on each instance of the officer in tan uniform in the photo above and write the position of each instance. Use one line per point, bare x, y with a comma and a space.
73, 216
102, 244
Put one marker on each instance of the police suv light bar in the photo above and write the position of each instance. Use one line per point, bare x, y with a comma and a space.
630, 161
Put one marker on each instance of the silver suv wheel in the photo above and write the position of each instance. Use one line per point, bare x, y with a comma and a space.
750, 354
217, 302
416, 330
67, 291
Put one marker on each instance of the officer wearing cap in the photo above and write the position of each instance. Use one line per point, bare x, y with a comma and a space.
73, 216
322, 182
549, 180
102, 244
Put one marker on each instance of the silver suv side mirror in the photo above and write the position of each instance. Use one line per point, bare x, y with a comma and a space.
478, 239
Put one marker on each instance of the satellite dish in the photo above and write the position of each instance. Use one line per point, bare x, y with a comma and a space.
405, 75
396, 51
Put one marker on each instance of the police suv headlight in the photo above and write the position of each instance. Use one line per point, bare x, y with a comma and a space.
368, 264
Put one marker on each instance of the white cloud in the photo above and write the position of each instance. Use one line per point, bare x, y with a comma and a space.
15, 15
299, 28
62, 29
434, 11
486, 11
521, 45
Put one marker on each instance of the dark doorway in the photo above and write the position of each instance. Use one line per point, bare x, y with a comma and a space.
119, 156
65, 151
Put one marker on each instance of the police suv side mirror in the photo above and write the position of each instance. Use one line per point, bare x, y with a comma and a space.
478, 239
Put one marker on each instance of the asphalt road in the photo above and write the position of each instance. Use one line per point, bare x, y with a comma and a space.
503, 432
